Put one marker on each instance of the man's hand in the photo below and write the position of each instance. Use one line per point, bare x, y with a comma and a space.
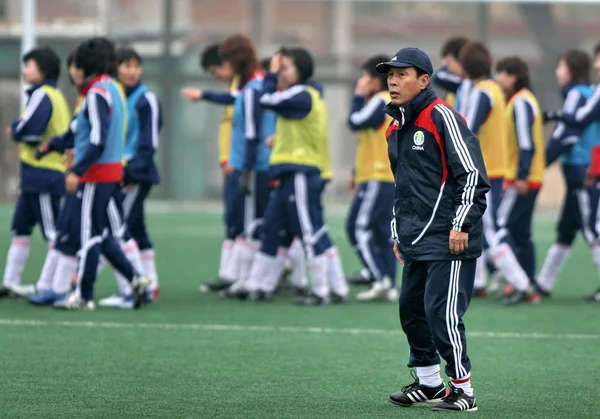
227, 169
41, 151
245, 183
362, 87
191, 94
399, 257
69, 158
350, 184
275, 63
521, 186
72, 181
459, 241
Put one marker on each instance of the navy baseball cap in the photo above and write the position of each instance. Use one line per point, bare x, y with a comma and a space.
407, 57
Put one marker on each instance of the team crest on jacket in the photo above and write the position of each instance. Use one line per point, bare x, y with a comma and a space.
419, 138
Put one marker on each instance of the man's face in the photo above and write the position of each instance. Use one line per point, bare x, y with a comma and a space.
129, 72
223, 72
506, 81
32, 73
405, 85
453, 65
76, 74
597, 64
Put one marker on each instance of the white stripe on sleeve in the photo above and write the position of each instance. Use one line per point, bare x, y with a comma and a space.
272, 99
250, 126
155, 111
92, 106
522, 124
34, 101
367, 111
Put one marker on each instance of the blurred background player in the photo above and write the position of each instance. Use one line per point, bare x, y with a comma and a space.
144, 121
451, 76
527, 161
249, 154
368, 221
573, 144
294, 205
98, 172
42, 182
211, 62
485, 116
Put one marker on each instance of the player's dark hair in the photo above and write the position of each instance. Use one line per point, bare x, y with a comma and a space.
239, 51
128, 54
70, 58
95, 56
579, 64
210, 57
453, 45
597, 49
302, 60
517, 67
369, 67
265, 64
476, 60
46, 60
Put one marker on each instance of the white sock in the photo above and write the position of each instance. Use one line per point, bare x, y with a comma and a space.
270, 281
262, 265
225, 253
480, 273
247, 251
465, 384
231, 272
123, 284
133, 255
507, 263
18, 253
429, 376
317, 266
335, 272
44, 282
101, 265
148, 259
298, 258
555, 259
66, 266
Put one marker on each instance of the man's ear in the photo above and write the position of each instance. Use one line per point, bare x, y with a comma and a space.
424, 81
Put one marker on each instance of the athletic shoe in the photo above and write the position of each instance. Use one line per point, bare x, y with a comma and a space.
358, 279
45, 297
457, 401
300, 291
417, 393
215, 286
117, 301
595, 297
74, 302
517, 297
378, 291
139, 286
6, 292
480, 292
311, 299
24, 290
337, 298
393, 295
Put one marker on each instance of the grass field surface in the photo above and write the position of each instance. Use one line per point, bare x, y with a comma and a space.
192, 355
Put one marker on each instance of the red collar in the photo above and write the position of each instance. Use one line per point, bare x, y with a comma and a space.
102, 77
513, 94
258, 74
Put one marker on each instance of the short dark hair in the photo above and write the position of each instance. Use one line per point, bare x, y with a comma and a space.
96, 56
597, 49
370, 67
210, 57
47, 61
240, 52
302, 60
517, 67
420, 72
476, 60
70, 58
579, 64
453, 45
127, 54
265, 63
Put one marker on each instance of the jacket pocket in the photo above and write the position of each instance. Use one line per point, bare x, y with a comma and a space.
434, 215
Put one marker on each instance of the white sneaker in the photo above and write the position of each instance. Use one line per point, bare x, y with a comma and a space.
74, 302
378, 291
393, 295
24, 290
117, 301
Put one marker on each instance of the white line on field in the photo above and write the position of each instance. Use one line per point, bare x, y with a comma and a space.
271, 329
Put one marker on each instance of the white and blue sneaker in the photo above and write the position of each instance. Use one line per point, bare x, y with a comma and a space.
74, 302
45, 298
117, 301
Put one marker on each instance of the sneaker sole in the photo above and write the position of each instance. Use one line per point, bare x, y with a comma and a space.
437, 409
432, 401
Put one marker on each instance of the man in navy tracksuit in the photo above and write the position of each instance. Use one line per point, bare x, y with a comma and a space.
439, 203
